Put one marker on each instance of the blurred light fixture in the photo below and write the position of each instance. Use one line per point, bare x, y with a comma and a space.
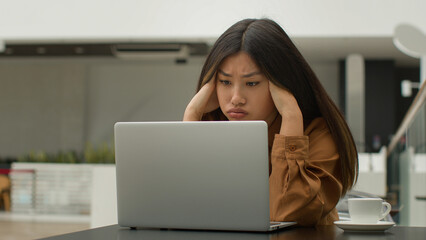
151, 51
410, 40
407, 87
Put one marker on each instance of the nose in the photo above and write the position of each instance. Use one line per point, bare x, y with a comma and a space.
238, 97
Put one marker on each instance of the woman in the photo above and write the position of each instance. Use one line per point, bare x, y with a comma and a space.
254, 72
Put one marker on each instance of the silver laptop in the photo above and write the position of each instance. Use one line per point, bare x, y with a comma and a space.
193, 175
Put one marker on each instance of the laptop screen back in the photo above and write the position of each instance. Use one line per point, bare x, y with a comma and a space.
193, 175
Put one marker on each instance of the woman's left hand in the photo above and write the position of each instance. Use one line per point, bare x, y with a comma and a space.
287, 106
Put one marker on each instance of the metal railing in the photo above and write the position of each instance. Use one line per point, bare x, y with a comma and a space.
412, 113
406, 164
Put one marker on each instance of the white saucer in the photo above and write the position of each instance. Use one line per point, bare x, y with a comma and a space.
351, 226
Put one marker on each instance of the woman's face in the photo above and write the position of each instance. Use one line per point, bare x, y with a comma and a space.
243, 90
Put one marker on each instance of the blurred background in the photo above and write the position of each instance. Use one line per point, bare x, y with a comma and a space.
70, 70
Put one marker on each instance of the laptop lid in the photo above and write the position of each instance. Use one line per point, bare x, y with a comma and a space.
193, 175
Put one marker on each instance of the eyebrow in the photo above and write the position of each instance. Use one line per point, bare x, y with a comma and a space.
244, 76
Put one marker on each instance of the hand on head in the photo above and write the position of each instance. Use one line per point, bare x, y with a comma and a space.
284, 100
287, 106
204, 101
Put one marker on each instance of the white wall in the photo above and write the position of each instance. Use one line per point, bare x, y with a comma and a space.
59, 104
41, 106
141, 19
137, 91
54, 105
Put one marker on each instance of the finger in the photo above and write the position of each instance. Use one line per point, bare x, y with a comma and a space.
201, 99
272, 85
273, 88
207, 90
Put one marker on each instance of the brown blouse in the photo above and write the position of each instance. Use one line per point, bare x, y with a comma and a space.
303, 171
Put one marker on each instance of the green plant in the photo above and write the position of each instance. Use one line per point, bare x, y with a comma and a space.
104, 153
60, 157
101, 154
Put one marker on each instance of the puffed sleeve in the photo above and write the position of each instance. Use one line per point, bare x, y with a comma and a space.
303, 183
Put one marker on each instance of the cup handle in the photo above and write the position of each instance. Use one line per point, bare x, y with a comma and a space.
388, 209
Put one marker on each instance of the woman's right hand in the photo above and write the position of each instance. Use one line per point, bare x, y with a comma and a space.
204, 101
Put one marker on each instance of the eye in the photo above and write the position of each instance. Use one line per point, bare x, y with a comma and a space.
225, 82
252, 84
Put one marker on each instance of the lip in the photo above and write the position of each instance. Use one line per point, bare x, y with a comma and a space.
237, 113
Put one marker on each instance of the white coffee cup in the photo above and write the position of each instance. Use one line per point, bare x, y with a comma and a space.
367, 210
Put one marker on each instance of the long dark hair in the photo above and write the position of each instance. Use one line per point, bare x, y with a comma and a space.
281, 62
